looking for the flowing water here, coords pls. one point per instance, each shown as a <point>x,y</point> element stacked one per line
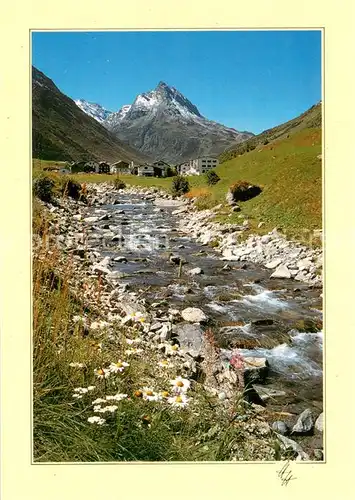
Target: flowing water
<point>246,308</point>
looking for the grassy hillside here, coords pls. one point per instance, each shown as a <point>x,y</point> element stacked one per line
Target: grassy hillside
<point>61,131</point>
<point>312,118</point>
<point>290,173</point>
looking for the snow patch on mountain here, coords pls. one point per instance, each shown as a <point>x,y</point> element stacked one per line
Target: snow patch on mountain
<point>124,110</point>
<point>147,100</point>
<point>94,110</point>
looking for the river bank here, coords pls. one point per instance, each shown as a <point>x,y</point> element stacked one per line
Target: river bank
<point>128,240</point>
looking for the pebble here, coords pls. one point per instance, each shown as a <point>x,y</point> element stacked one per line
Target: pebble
<point>193,315</point>
<point>195,271</point>
<point>280,427</point>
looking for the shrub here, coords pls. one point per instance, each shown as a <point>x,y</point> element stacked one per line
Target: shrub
<point>212,177</point>
<point>242,191</point>
<point>170,172</point>
<point>40,218</point>
<point>43,188</point>
<point>118,183</point>
<point>70,187</point>
<point>196,192</point>
<point>205,202</point>
<point>179,185</point>
<point>266,142</point>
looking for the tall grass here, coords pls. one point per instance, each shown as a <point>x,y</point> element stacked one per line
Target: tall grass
<point>139,430</point>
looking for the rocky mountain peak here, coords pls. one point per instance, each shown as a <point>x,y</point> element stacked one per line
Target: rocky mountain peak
<point>162,85</point>
<point>164,123</point>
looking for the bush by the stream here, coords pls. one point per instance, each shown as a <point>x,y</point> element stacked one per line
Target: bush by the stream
<point>212,178</point>
<point>179,185</point>
<point>118,183</point>
<point>43,188</point>
<point>170,172</point>
<point>205,201</point>
<point>70,187</point>
<point>243,191</point>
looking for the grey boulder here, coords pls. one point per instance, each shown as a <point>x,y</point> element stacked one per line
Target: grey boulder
<point>190,338</point>
<point>280,427</point>
<point>304,423</point>
<point>281,272</point>
<point>193,315</point>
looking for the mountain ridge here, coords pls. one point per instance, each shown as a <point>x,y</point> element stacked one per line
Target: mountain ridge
<point>164,124</point>
<point>62,131</point>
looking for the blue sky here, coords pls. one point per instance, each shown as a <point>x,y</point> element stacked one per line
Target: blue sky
<point>249,80</point>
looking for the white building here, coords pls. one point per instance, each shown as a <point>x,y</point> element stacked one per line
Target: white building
<point>201,165</point>
<point>198,166</point>
<point>146,170</point>
<point>183,168</point>
<point>120,167</point>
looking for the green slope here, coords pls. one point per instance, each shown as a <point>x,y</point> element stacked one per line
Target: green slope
<point>312,118</point>
<point>289,171</point>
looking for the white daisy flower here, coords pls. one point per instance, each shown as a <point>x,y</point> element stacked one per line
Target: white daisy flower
<point>165,364</point>
<point>102,373</point>
<point>96,420</point>
<point>179,401</point>
<point>81,390</point>
<point>172,350</point>
<point>129,352</point>
<point>116,397</point>
<point>79,319</point>
<point>77,365</point>
<point>77,396</point>
<point>110,409</point>
<point>118,367</point>
<point>138,340</point>
<point>98,401</point>
<point>95,325</point>
<point>99,325</point>
<point>149,394</point>
<point>180,384</point>
<point>97,408</point>
<point>91,387</point>
<point>137,317</point>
